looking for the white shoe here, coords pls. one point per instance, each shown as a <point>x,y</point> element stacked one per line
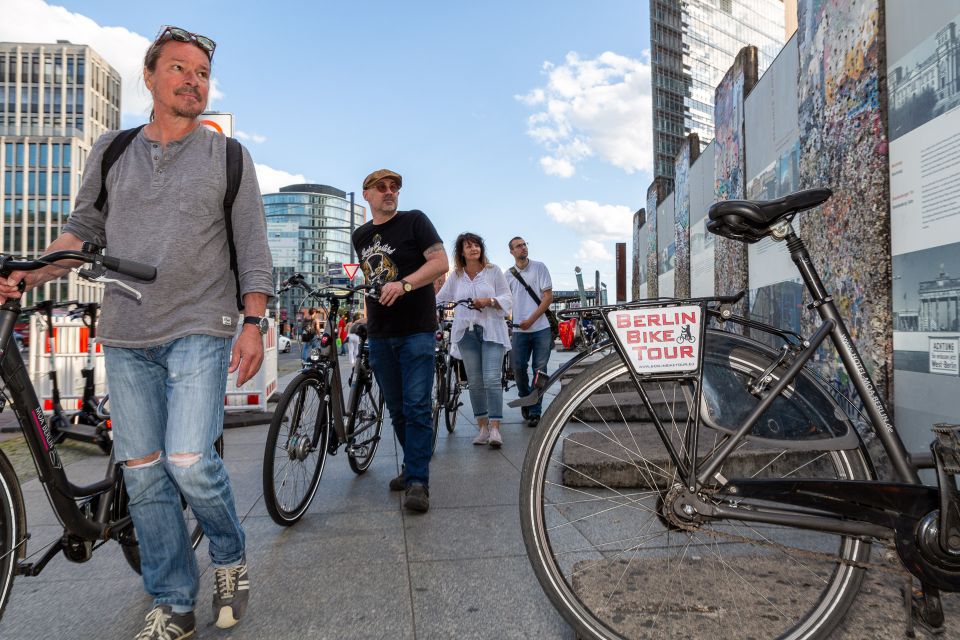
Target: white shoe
<point>495,438</point>
<point>483,437</point>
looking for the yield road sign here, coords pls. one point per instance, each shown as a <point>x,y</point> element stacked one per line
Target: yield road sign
<point>350,269</point>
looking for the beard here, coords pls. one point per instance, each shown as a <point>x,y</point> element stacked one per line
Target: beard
<point>189,112</point>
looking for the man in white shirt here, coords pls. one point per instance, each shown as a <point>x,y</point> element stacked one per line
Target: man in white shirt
<point>533,336</point>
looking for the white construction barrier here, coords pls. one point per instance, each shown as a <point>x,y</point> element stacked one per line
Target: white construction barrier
<point>70,347</point>
<point>257,391</point>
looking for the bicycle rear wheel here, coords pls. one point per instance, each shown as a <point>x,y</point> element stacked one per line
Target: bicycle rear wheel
<point>367,423</point>
<point>12,522</point>
<point>594,487</point>
<point>129,545</point>
<point>296,449</point>
<point>452,406</point>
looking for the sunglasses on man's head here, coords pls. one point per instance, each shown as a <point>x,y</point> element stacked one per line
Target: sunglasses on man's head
<point>182,35</point>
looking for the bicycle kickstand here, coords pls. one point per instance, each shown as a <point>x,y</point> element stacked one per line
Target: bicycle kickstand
<point>924,609</point>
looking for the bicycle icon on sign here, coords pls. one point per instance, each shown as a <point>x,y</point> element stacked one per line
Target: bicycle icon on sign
<point>685,335</point>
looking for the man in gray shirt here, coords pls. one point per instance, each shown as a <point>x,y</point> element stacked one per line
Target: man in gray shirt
<point>167,355</point>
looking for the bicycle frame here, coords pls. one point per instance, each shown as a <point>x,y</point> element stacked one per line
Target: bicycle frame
<point>62,494</point>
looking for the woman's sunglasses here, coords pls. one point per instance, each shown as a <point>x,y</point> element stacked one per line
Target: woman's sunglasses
<point>182,35</point>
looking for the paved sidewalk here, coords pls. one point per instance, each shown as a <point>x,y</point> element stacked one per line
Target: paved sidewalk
<point>356,566</point>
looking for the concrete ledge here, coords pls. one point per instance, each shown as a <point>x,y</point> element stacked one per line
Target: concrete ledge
<point>633,456</point>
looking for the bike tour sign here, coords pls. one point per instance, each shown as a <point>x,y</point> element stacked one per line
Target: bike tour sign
<point>659,339</point>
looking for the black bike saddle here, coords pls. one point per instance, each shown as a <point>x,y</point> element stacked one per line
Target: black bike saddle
<point>751,220</point>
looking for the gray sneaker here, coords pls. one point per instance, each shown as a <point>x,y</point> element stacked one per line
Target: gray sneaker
<point>417,498</point>
<point>232,593</point>
<point>163,624</point>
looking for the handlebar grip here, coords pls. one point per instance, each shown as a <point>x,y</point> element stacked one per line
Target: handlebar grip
<point>136,270</point>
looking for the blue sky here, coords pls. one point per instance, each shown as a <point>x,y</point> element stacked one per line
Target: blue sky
<point>505,118</point>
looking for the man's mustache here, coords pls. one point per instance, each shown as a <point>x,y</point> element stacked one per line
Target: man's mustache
<point>190,90</point>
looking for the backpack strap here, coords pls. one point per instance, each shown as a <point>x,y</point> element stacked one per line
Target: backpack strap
<point>234,177</point>
<point>114,150</point>
<point>516,274</point>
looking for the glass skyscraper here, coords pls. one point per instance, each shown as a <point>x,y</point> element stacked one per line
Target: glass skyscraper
<point>308,226</point>
<point>693,43</point>
<point>55,101</point>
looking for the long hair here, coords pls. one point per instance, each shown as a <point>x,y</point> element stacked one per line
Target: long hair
<point>459,260</point>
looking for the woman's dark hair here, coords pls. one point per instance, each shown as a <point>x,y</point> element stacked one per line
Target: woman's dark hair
<point>459,260</point>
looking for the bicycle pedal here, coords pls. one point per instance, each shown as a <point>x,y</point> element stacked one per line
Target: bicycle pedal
<point>948,436</point>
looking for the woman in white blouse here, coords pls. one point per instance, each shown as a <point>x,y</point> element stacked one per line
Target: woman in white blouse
<point>479,336</point>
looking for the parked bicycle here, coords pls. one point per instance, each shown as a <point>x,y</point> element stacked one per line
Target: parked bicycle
<point>91,515</point>
<point>312,419</point>
<point>449,379</point>
<point>83,424</point>
<point>717,488</point>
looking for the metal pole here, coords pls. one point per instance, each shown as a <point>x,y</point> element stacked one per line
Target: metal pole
<point>352,225</point>
<point>596,287</point>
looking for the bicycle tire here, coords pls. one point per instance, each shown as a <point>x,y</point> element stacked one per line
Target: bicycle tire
<point>616,572</point>
<point>367,423</point>
<point>13,521</point>
<point>439,398</point>
<point>452,407</point>
<point>130,548</point>
<point>299,432</point>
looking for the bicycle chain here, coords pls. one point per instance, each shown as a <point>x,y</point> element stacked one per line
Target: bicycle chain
<point>812,555</point>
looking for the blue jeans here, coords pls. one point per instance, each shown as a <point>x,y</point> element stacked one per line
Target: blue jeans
<point>169,399</point>
<point>305,350</point>
<point>483,361</point>
<point>404,370</point>
<point>539,344</point>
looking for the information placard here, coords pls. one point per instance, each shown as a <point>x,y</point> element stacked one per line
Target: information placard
<point>945,356</point>
<point>659,339</point>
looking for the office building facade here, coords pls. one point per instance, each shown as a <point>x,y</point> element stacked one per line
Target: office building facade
<point>692,44</point>
<point>309,228</point>
<point>55,101</point>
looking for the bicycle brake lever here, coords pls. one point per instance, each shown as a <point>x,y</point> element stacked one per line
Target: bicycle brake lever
<point>105,280</point>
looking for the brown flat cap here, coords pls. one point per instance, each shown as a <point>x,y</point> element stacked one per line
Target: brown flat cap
<point>380,174</point>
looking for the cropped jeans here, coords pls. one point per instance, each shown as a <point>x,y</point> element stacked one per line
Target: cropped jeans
<point>525,344</point>
<point>169,399</point>
<point>483,361</point>
<point>403,367</point>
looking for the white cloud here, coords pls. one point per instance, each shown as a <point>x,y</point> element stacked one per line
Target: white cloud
<point>37,21</point>
<point>271,179</point>
<point>593,107</point>
<point>250,137</point>
<point>598,226</point>
<point>593,251</point>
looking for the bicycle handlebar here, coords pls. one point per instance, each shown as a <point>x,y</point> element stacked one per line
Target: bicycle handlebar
<point>130,268</point>
<point>297,280</point>
<point>449,306</point>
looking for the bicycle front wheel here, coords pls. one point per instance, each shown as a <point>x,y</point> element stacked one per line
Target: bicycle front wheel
<point>594,488</point>
<point>367,422</point>
<point>439,397</point>
<point>296,449</point>
<point>451,407</point>
<point>12,522</point>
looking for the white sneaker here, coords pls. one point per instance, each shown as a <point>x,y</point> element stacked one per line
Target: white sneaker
<point>483,437</point>
<point>495,438</point>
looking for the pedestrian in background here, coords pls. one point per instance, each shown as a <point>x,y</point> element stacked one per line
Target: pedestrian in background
<point>402,251</point>
<point>479,336</point>
<point>532,290</point>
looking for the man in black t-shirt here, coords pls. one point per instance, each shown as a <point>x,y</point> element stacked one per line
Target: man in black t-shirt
<point>401,251</point>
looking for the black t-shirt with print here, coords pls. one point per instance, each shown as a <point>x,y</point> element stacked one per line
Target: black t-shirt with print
<point>392,251</point>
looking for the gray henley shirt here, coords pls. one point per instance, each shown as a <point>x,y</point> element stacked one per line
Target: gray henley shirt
<point>165,208</point>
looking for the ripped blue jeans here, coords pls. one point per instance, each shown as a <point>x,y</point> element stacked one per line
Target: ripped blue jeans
<point>169,399</point>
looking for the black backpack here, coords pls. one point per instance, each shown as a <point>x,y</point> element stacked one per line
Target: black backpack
<point>234,176</point>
